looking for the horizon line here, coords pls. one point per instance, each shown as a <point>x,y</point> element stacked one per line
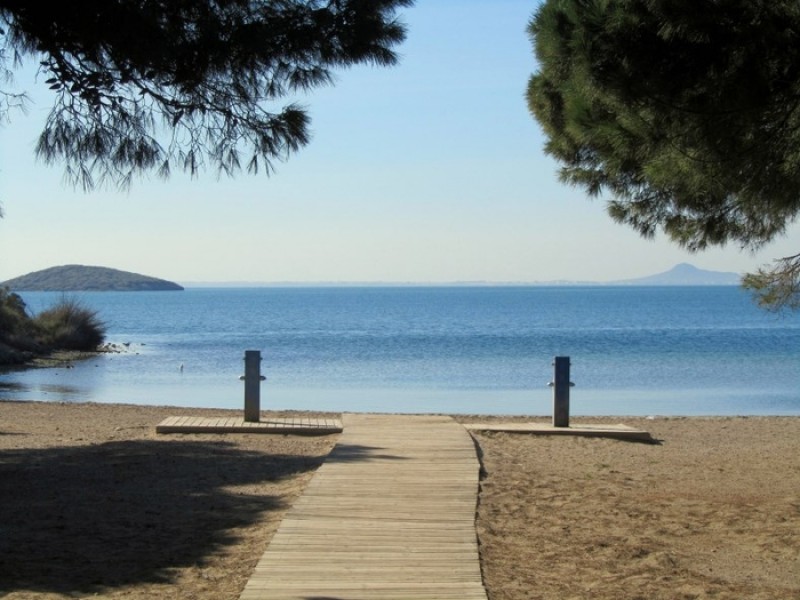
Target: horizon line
<point>477,283</point>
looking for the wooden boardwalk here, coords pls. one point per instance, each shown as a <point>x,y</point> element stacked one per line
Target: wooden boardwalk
<point>389,515</point>
<point>294,425</point>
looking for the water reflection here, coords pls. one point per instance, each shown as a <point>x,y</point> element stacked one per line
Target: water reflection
<point>106,380</point>
<point>11,386</point>
<point>75,382</point>
<point>47,391</point>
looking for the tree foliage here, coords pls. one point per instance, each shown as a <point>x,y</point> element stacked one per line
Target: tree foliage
<point>779,287</point>
<point>684,113</point>
<point>154,85</point>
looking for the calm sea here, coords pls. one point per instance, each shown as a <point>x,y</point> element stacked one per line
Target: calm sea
<point>489,350</point>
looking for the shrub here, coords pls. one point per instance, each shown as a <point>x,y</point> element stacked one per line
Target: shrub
<point>12,312</point>
<point>16,327</point>
<point>70,326</point>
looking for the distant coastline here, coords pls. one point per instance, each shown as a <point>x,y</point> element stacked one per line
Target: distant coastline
<point>200,285</point>
<point>680,275</point>
<point>73,278</point>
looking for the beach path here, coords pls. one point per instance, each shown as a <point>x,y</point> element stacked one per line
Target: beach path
<point>389,515</point>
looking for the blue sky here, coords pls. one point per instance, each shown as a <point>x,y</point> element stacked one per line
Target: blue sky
<point>431,171</point>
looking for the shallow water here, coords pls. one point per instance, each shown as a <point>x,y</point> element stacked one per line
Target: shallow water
<point>486,350</point>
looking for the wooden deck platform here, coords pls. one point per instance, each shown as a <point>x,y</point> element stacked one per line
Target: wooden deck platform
<point>622,432</point>
<point>295,426</point>
<point>389,515</point>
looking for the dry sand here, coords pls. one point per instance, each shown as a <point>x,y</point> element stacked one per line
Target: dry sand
<point>95,504</point>
<point>711,511</point>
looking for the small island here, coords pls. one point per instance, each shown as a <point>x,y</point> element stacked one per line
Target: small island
<point>81,278</point>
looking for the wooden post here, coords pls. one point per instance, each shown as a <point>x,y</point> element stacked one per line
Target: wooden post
<point>252,386</point>
<point>561,385</point>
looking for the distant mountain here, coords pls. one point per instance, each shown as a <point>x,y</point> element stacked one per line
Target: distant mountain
<point>80,278</point>
<point>686,274</point>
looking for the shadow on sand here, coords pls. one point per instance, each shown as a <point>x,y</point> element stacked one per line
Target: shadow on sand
<point>83,519</point>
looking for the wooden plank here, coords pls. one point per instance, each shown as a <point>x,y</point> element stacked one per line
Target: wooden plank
<point>390,514</point>
<point>190,424</point>
<point>619,431</point>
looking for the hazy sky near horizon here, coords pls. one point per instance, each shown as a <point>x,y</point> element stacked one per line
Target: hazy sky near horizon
<point>429,171</point>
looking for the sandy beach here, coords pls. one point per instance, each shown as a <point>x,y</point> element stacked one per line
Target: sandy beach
<point>96,504</point>
<point>711,511</point>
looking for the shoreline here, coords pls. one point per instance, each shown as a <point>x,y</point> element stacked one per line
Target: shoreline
<point>463,418</point>
<point>97,503</point>
<point>60,358</point>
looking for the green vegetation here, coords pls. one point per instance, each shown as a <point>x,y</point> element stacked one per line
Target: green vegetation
<point>684,115</point>
<point>779,287</point>
<point>66,326</point>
